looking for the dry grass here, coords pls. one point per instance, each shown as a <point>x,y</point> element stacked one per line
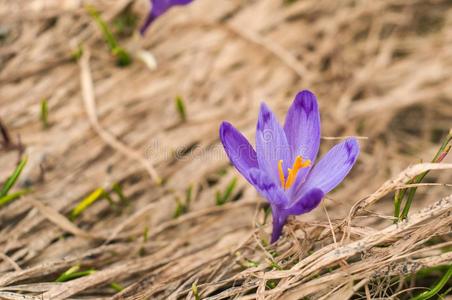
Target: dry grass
<point>381,70</point>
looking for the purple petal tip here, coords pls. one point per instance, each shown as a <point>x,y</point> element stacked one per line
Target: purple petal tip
<point>306,100</point>
<point>265,116</point>
<point>224,126</point>
<point>352,147</point>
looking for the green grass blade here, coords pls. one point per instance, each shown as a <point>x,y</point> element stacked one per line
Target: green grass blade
<point>181,209</point>
<point>146,234</point>
<point>447,292</point>
<point>183,206</point>
<point>398,197</point>
<point>229,189</point>
<point>188,194</point>
<point>180,107</point>
<point>218,198</point>
<point>13,178</point>
<point>271,284</point>
<point>410,196</point>
<point>107,34</point>
<point>72,273</point>
<point>77,53</point>
<point>194,289</point>
<point>439,156</point>
<point>117,188</point>
<point>86,202</point>
<point>267,212</point>
<point>435,290</point>
<point>116,286</point>
<point>13,196</point>
<point>251,263</point>
<point>123,58</point>
<point>223,198</point>
<point>125,23</point>
<point>71,270</point>
<point>44,113</point>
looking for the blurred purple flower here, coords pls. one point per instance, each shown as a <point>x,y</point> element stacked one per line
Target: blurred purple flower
<point>158,8</point>
<point>282,167</point>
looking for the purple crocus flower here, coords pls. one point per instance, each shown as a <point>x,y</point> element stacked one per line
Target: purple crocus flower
<point>158,8</point>
<point>282,167</point>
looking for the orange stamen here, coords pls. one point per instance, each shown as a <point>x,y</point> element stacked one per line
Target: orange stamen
<point>292,174</point>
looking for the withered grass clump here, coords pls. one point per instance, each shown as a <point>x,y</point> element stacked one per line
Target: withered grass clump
<point>381,70</point>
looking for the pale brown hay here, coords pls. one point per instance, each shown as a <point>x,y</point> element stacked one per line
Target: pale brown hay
<point>381,70</point>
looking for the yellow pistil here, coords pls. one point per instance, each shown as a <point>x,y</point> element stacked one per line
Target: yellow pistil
<point>281,173</point>
<point>292,174</point>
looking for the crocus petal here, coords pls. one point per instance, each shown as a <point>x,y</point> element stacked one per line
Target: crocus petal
<point>302,128</point>
<point>149,20</point>
<point>275,195</point>
<point>158,8</point>
<point>268,188</point>
<point>333,167</point>
<point>308,202</point>
<point>279,220</point>
<point>271,144</point>
<point>238,149</point>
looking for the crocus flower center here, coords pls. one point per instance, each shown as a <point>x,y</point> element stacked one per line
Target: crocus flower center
<point>292,172</point>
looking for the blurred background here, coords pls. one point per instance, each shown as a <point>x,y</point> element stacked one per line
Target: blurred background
<point>381,70</point>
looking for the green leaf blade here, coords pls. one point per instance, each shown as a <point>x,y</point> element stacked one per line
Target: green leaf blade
<point>14,177</point>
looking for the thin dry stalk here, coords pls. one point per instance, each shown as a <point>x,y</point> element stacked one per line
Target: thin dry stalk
<point>381,70</point>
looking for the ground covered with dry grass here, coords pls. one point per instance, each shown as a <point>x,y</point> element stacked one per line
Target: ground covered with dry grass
<point>381,69</point>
